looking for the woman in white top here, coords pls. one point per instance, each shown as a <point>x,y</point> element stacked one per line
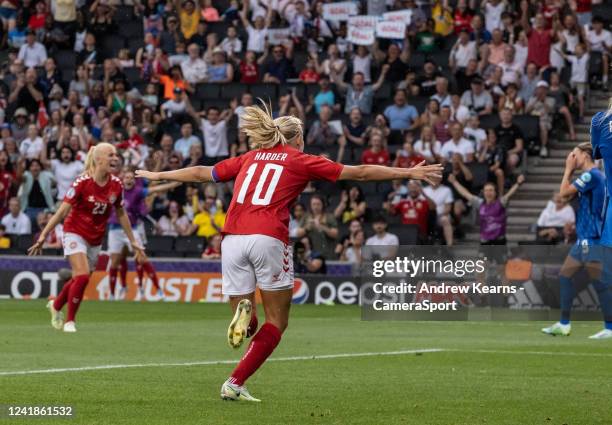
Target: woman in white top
<point>32,146</point>
<point>362,62</point>
<point>175,223</point>
<point>333,61</point>
<point>557,214</point>
<point>427,146</point>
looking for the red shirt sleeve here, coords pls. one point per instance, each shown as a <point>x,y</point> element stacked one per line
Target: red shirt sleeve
<point>73,194</point>
<point>227,169</point>
<point>320,168</point>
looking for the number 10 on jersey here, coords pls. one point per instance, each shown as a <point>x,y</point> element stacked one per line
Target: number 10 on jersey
<point>257,199</point>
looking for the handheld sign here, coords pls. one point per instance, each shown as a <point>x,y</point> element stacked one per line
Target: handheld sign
<point>399,16</point>
<point>363,22</point>
<point>361,36</point>
<point>278,36</point>
<point>390,29</point>
<point>339,11</point>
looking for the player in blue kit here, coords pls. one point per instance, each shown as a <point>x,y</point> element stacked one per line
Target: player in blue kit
<point>601,139</point>
<point>586,252</point>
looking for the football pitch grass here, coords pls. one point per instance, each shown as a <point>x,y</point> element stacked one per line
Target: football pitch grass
<point>483,373</point>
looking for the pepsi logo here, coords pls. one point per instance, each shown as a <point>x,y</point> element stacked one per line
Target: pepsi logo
<point>300,292</point>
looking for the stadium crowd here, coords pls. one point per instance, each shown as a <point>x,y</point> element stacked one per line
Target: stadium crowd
<point>476,86</point>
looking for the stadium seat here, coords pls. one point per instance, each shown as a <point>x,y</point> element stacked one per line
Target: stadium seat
<point>132,74</point>
<point>191,246</point>
<point>134,31</point>
<point>110,45</point>
<point>529,125</point>
<point>124,16</point>
<point>480,173</point>
<point>265,91</point>
<point>161,246</point>
<point>24,242</point>
<point>232,90</point>
<point>489,121</point>
<point>65,59</point>
<point>384,92</point>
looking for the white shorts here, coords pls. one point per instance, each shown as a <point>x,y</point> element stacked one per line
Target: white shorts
<point>248,261</point>
<point>74,243</point>
<point>117,239</point>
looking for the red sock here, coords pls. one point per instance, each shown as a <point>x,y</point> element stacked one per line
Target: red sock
<point>123,269</point>
<point>148,267</point>
<point>112,280</point>
<point>262,345</point>
<point>76,295</point>
<point>139,273</point>
<point>62,297</point>
<point>252,325</point>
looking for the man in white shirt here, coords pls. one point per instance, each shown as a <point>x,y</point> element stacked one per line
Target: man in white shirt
<point>477,99</point>
<point>457,144</point>
<point>442,196</point>
<point>463,51</point>
<point>231,44</point>
<point>214,128</point>
<point>385,244</point>
<point>194,68</point>
<point>32,53</point>
<point>512,70</point>
<point>600,40</point>
<point>31,146</point>
<point>16,222</point>
<point>188,139</point>
<point>493,10</point>
<point>65,170</point>
<point>258,31</point>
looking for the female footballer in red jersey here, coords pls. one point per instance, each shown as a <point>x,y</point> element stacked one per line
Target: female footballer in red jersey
<point>255,248</point>
<point>86,208</point>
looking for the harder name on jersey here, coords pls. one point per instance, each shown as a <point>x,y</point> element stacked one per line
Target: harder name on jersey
<point>267,156</point>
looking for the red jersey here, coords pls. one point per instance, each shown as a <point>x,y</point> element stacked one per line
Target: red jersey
<point>408,161</point>
<point>249,73</point>
<point>414,211</point>
<point>91,207</point>
<point>369,157</point>
<point>267,183</point>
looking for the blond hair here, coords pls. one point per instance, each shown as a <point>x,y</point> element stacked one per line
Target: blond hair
<point>92,157</point>
<point>265,132</point>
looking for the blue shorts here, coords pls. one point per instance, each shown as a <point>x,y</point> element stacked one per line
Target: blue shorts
<point>586,253</point>
<point>8,13</point>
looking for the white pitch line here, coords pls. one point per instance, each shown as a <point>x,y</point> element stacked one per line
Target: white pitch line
<point>535,353</point>
<point>219,362</point>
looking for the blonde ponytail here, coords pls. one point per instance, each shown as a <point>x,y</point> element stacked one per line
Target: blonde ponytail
<point>92,156</point>
<point>264,132</point>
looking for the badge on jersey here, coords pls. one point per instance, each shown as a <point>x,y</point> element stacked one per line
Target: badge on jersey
<point>584,179</point>
<point>71,192</point>
<point>112,198</point>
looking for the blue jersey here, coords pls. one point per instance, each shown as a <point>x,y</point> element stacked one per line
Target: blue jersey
<point>601,139</point>
<point>592,192</point>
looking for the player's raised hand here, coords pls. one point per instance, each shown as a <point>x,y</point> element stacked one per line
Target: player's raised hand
<point>432,174</point>
<point>149,175</point>
<point>570,161</point>
<point>36,249</point>
<point>139,254</point>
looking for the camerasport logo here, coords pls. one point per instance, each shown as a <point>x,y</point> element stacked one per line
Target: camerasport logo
<point>300,292</point>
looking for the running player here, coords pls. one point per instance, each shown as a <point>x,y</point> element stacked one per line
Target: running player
<point>586,252</point>
<point>86,209</point>
<point>601,138</point>
<point>255,247</point>
<point>134,196</point>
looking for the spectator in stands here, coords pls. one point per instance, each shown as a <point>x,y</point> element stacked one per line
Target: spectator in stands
<point>352,205</point>
<point>462,16</point>
<point>554,219</point>
<point>511,100</point>
<point>213,249</point>
<point>170,36</point>
<point>493,52</point>
<point>491,210</point>
<point>19,127</point>
<point>101,21</point>
<point>563,99</point>
<point>187,140</point>
<point>174,80</point>
<point>442,197</point>
<point>32,53</point>
<point>210,219</point>
<point>396,59</point>
<point>464,175</point>
<point>361,60</point>
<point>32,146</point>
<point>321,227</point>
<point>249,69</point>
<point>258,32</point>
<point>600,40</point>
<point>298,211</point>
<point>401,115</point>
<point>474,133</point>
<point>457,145</point>
<point>512,69</point>
<point>579,78</point>
<point>353,252</point>
<point>345,240</point>
<point>510,138</point>
<point>431,113</point>
<point>35,193</point>
<point>442,95</point>
<point>413,208</point>
<point>320,132</point>
<point>355,129</point>
<point>189,15</point>
<point>459,112</point>
<point>7,181</point>
<point>28,93</point>
<point>174,110</point>
<point>477,99</point>
<point>464,77</point>
<point>543,107</point>
<point>194,69</point>
<point>174,223</point>
<point>214,128</point>
<point>376,154</point>
<point>427,146</point>
<point>494,157</point>
<point>231,44</point>
<point>50,77</point>
<point>306,259</point>
<point>325,96</point>
<point>309,75</point>
<point>54,238</point>
<point>539,38</point>
<point>16,222</point>
<point>462,52</point>
<point>280,66</point>
<point>358,94</point>
<point>220,71</point>
<point>383,244</point>
<point>65,170</point>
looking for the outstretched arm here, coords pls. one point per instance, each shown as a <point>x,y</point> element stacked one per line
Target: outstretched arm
<point>429,173</point>
<point>186,175</point>
<point>460,188</point>
<point>57,218</point>
<point>519,181</point>
<point>162,187</point>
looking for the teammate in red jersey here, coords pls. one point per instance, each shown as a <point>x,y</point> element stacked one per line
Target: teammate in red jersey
<point>86,209</point>
<point>255,248</point>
